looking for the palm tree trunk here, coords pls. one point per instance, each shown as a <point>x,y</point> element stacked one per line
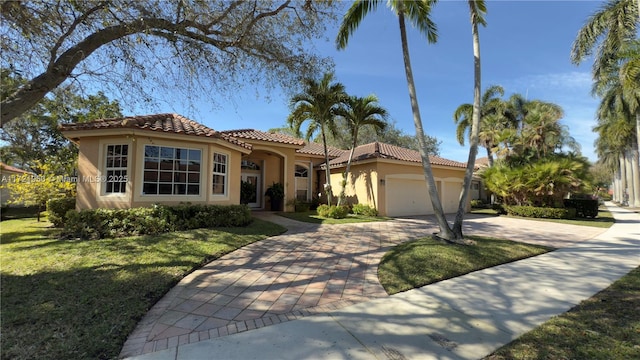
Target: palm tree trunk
<point>475,124</point>
<point>327,173</point>
<point>623,179</point>
<point>616,186</point>
<point>635,169</point>
<point>632,177</point>
<point>346,171</point>
<point>445,230</point>
<point>490,156</point>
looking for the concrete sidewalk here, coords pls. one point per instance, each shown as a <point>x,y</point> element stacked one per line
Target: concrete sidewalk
<point>463,318</point>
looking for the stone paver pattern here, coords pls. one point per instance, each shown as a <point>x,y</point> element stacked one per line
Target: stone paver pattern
<point>310,269</point>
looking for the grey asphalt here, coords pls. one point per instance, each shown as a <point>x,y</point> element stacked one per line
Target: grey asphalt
<point>462,318</point>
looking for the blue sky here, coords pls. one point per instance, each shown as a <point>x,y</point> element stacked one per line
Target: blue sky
<point>525,47</point>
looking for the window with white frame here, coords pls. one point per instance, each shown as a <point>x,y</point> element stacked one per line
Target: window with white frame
<point>219,186</point>
<point>115,169</point>
<point>171,171</point>
<point>302,182</point>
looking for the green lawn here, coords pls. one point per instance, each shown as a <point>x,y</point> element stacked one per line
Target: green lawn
<point>606,326</point>
<point>313,217</point>
<point>425,261</point>
<point>604,219</point>
<point>66,299</point>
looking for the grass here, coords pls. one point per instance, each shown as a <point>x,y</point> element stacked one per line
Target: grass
<point>313,217</point>
<point>425,261</point>
<point>66,299</point>
<point>606,326</point>
<point>603,220</point>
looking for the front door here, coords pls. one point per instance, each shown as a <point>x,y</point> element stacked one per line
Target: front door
<point>251,193</point>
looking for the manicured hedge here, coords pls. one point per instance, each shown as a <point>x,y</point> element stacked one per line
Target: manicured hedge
<point>334,212</point>
<point>584,207</point>
<point>540,212</point>
<point>108,223</point>
<point>58,208</point>
<point>366,210</point>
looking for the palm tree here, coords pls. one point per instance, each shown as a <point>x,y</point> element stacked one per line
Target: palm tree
<point>491,114</point>
<point>606,31</point>
<point>419,14</point>
<point>360,112</point>
<point>477,9</point>
<point>318,104</point>
<point>615,115</point>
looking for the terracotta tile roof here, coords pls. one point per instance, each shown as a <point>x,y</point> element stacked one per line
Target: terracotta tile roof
<point>387,151</point>
<point>251,134</point>
<point>317,149</point>
<point>4,166</point>
<point>166,123</point>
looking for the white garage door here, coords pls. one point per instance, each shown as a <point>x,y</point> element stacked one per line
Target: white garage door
<point>407,197</point>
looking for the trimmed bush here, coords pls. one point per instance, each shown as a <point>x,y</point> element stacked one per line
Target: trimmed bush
<point>476,204</point>
<point>366,210</point>
<point>108,223</point>
<point>58,208</point>
<point>323,210</point>
<point>499,208</point>
<point>584,207</point>
<point>334,212</point>
<point>540,212</point>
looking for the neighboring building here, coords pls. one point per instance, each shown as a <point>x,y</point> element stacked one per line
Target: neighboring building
<point>8,174</point>
<point>478,190</point>
<point>167,158</point>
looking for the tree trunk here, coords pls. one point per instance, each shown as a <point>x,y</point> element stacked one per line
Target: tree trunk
<point>346,171</point>
<point>623,180</point>
<point>475,124</point>
<point>489,156</point>
<point>616,186</point>
<point>635,172</point>
<point>327,173</point>
<point>445,230</point>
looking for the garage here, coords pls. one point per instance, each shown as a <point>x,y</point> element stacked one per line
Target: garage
<point>407,196</point>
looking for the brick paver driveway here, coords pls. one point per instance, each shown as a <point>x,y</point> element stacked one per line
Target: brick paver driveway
<point>308,270</point>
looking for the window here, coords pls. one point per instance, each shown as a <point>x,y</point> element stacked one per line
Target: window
<point>302,182</point>
<point>116,169</point>
<point>171,171</point>
<point>219,174</point>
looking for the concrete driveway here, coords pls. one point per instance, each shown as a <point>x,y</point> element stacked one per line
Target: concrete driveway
<point>311,269</point>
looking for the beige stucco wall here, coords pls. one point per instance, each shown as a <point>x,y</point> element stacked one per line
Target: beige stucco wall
<point>367,182</point>
<point>90,167</point>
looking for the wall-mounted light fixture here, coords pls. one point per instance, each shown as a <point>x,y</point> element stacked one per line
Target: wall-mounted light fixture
<point>382,182</point>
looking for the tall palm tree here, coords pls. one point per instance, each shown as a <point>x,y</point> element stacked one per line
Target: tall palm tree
<point>358,113</point>
<point>606,31</point>
<point>491,112</point>
<point>418,13</point>
<point>615,114</point>
<point>318,104</point>
<point>477,10</point>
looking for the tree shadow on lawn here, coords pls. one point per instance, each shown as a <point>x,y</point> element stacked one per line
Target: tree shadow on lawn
<point>80,313</point>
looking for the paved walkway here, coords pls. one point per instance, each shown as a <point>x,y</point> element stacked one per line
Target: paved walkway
<point>330,271</point>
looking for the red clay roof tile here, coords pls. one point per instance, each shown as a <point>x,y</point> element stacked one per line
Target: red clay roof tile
<point>167,123</point>
<point>387,151</point>
<point>251,134</point>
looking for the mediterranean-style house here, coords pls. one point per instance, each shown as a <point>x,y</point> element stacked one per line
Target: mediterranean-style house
<point>167,158</point>
<point>8,174</point>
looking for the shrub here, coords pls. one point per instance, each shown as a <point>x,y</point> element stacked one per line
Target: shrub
<point>323,210</point>
<point>338,212</point>
<point>334,212</point>
<point>499,208</point>
<point>366,210</point>
<point>540,212</point>
<point>58,208</point>
<point>584,207</point>
<point>102,223</point>
<point>476,203</point>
